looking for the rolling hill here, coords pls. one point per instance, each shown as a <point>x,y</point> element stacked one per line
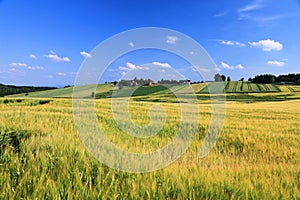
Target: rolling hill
<point>107,90</point>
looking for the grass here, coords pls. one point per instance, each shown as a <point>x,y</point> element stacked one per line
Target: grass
<point>64,92</point>
<point>256,157</point>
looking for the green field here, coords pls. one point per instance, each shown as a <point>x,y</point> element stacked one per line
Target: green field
<point>106,90</point>
<point>256,157</point>
<point>243,87</point>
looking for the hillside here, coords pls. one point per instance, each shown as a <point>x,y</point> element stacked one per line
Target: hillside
<point>11,89</point>
<point>106,90</point>
<point>64,92</point>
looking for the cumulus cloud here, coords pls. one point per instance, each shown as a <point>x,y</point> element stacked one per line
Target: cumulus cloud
<point>131,44</point>
<point>18,64</point>
<point>172,39</point>
<point>35,68</point>
<point>165,65</point>
<point>276,63</point>
<point>54,57</point>
<point>32,56</point>
<point>132,66</point>
<point>85,54</point>
<point>129,66</point>
<point>227,66</point>
<point>239,66</point>
<point>267,45</point>
<point>232,43</point>
<point>15,64</point>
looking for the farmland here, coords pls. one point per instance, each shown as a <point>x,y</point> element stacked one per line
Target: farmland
<point>106,90</point>
<point>245,87</point>
<point>256,157</point>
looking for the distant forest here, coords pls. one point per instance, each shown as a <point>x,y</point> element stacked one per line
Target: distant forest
<point>266,79</point>
<point>269,78</point>
<point>11,89</point>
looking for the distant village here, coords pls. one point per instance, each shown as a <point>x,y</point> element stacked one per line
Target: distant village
<point>293,79</point>
<point>150,82</point>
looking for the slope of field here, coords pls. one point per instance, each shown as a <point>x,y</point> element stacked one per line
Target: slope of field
<point>65,92</point>
<point>215,87</point>
<point>256,157</point>
<point>242,87</point>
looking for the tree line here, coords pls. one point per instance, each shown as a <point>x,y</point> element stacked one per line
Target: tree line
<point>270,78</point>
<point>11,89</point>
<point>264,78</point>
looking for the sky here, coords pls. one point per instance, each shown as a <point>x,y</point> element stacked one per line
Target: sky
<point>44,43</point>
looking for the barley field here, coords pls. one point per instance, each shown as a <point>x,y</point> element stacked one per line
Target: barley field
<point>256,156</point>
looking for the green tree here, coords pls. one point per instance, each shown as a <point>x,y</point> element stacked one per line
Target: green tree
<point>223,77</point>
<point>218,77</point>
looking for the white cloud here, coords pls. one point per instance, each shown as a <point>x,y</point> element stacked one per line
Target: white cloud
<point>124,68</point>
<point>131,44</point>
<point>129,66</point>
<point>227,42</point>
<point>52,52</point>
<point>35,68</point>
<point>232,43</point>
<point>13,70</point>
<point>18,64</point>
<point>276,63</point>
<point>33,56</point>
<point>226,66</point>
<point>257,4</point>
<point>132,66</point>
<point>61,74</point>
<point>165,65</point>
<point>172,39</point>
<point>248,13</point>
<point>26,66</point>
<point>221,14</point>
<point>57,58</point>
<point>85,54</point>
<point>217,69</point>
<point>239,66</point>
<point>123,73</point>
<point>267,45</point>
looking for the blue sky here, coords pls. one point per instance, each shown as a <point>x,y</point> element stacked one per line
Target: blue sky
<point>45,42</point>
